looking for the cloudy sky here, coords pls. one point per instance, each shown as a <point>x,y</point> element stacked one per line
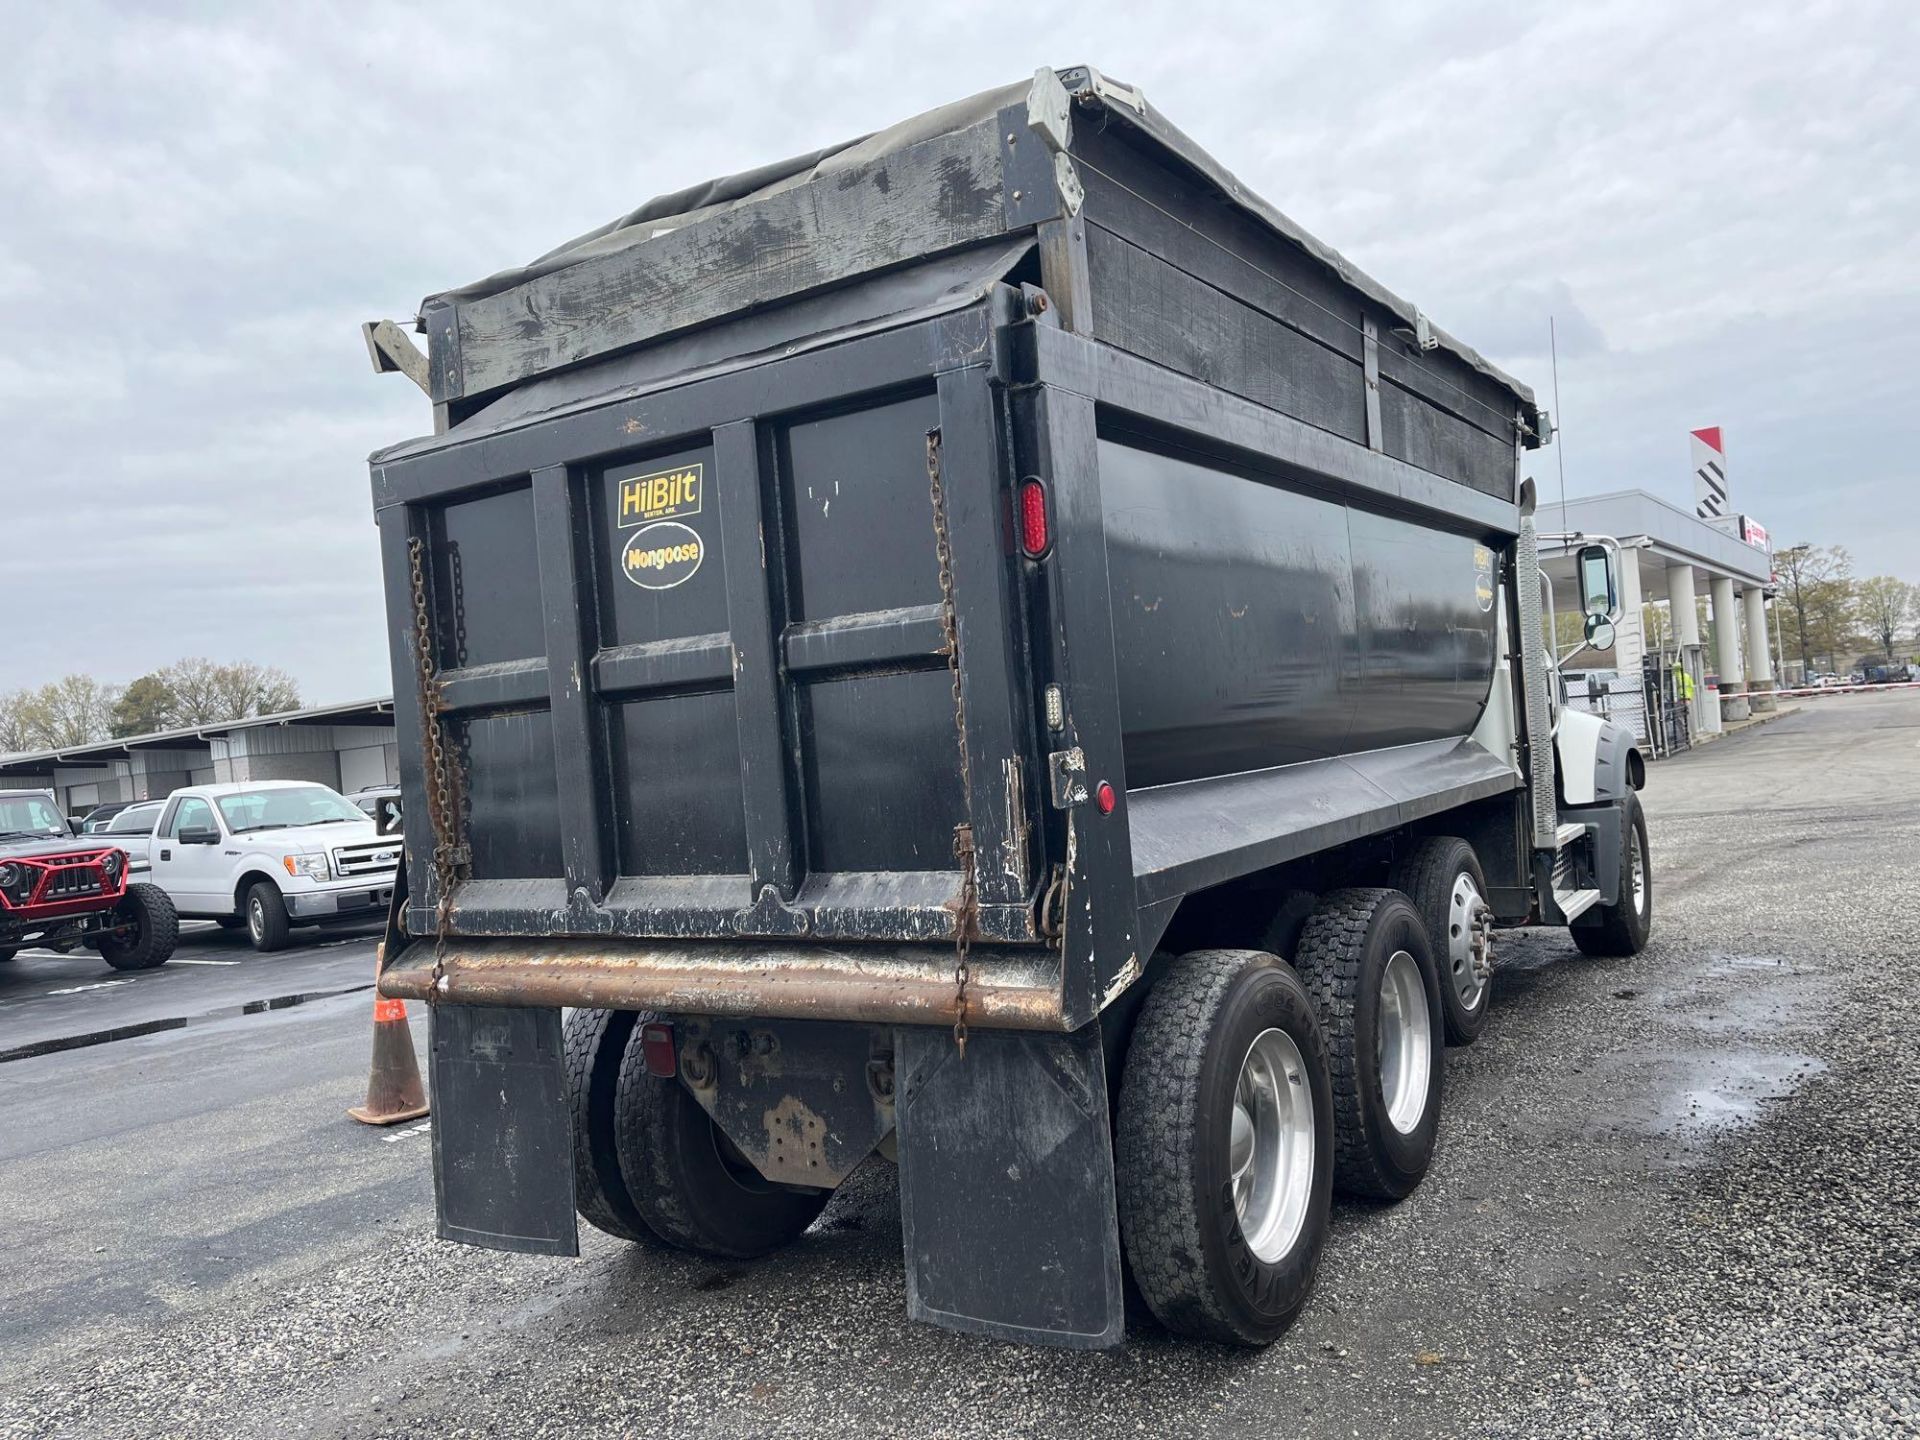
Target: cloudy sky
<point>1718,203</point>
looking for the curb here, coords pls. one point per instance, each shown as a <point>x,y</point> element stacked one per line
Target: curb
<point>1740,727</point>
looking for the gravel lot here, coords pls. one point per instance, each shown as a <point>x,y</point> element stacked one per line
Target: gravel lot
<point>1674,1196</point>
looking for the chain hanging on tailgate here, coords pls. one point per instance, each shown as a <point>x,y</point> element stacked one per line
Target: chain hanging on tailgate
<point>966,915</point>
<point>449,857</point>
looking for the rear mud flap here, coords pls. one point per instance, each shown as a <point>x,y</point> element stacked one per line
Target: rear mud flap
<point>502,1130</point>
<point>1006,1186</point>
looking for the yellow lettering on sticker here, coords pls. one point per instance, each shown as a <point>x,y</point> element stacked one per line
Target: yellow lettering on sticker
<point>660,496</point>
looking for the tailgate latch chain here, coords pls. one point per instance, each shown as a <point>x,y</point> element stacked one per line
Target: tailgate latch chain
<point>967,912</point>
<point>449,856</point>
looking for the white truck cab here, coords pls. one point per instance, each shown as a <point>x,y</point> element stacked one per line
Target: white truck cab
<point>271,854</point>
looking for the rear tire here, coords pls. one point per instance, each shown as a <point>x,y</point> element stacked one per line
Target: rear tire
<point>1624,926</point>
<point>1366,961</point>
<point>266,912</point>
<point>688,1182</point>
<point>1222,1241</point>
<point>146,931</point>
<point>596,1044</point>
<point>1443,878</point>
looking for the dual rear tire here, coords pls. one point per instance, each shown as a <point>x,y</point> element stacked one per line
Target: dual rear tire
<point>1253,1090</point>
<point>650,1165</point>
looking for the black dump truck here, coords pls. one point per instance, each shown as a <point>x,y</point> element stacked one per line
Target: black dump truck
<point>985,647</point>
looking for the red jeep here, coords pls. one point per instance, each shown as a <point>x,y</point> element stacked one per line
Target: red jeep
<point>60,890</point>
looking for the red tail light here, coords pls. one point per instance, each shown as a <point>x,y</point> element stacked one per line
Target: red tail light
<point>1034,537</point>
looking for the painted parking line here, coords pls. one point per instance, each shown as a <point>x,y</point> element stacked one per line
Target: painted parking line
<point>82,989</point>
<point>181,960</point>
<point>407,1134</point>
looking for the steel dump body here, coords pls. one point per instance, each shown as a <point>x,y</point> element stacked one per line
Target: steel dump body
<point>687,630</point>
<point>673,561</point>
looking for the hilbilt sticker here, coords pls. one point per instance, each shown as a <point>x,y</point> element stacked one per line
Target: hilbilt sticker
<point>1483,576</point>
<point>663,552</point>
<point>664,495</point>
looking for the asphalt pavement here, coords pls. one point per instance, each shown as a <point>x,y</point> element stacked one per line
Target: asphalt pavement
<point>1674,1195</point>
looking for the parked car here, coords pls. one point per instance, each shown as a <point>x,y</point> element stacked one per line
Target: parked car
<point>99,817</point>
<point>64,891</point>
<point>271,855</point>
<point>136,822</point>
<point>136,819</point>
<point>382,803</point>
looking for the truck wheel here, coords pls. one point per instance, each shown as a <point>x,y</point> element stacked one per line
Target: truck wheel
<point>1366,961</point>
<point>266,911</point>
<point>688,1182</point>
<point>1623,927</point>
<point>596,1043</point>
<point>1224,1148</point>
<point>145,930</point>
<point>1442,877</point>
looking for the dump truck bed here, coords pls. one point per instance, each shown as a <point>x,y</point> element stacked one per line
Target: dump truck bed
<point>674,563</point>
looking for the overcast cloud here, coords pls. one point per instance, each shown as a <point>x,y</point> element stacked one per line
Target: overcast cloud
<point>1717,202</point>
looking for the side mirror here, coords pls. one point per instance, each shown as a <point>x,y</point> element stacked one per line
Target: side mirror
<point>1598,593</point>
<point>198,837</point>
<point>1599,632</point>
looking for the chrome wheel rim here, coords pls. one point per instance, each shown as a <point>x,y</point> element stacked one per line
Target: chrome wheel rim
<point>1270,1145</point>
<point>1637,864</point>
<point>1464,919</point>
<point>256,919</point>
<point>1404,1035</point>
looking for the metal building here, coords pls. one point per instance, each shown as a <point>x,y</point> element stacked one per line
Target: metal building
<point>348,746</point>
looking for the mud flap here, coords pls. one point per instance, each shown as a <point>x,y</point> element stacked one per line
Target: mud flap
<point>502,1130</point>
<point>1006,1186</point>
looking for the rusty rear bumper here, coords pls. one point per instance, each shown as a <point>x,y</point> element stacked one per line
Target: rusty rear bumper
<point>888,985</point>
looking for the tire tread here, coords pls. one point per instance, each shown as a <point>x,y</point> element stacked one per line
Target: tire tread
<point>1425,875</point>
<point>594,1044</point>
<point>1331,957</point>
<point>159,931</point>
<point>1157,1144</point>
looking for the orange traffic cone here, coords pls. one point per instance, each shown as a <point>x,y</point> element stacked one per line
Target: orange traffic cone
<point>394,1091</point>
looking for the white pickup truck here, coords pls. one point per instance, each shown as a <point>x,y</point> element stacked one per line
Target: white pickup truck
<point>270,855</point>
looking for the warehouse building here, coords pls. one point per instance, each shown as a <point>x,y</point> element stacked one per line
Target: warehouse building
<point>349,747</point>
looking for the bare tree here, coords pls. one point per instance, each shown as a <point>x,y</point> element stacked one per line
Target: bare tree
<point>196,692</point>
<point>250,689</point>
<point>16,725</point>
<point>73,710</point>
<point>1816,584</point>
<point>207,693</point>
<point>1886,607</point>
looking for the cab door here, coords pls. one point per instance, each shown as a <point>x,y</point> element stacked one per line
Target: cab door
<point>191,870</point>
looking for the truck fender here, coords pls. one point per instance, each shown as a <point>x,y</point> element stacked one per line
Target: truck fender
<point>1599,761</point>
<point>250,873</point>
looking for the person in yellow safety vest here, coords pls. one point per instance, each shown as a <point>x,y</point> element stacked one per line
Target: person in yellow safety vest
<point>1682,682</point>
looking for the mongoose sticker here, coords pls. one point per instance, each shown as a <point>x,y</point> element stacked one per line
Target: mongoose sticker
<point>662,555</point>
<point>664,495</point>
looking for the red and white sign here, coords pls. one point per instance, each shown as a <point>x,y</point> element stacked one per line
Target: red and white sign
<point>1754,533</point>
<point>1709,474</point>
